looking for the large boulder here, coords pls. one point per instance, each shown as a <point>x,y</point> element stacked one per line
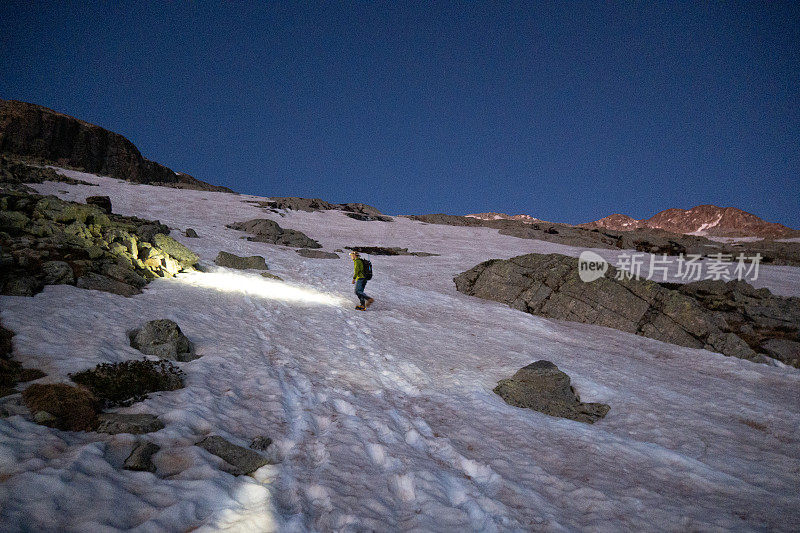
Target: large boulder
<point>264,230</point>
<point>164,339</point>
<point>541,386</point>
<point>228,260</point>
<point>732,319</point>
<point>243,460</point>
<point>141,458</point>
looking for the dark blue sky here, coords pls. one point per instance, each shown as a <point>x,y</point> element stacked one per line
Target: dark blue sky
<point>565,111</point>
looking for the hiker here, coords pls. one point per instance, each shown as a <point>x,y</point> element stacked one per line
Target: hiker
<point>360,278</point>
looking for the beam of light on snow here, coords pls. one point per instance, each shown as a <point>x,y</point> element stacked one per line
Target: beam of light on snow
<point>259,287</point>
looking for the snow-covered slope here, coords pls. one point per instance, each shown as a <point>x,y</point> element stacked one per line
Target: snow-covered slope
<point>386,420</point>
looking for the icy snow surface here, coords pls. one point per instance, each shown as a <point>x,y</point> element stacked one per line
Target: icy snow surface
<point>386,419</point>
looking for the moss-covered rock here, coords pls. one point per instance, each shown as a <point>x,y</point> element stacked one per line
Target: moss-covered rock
<point>129,381</point>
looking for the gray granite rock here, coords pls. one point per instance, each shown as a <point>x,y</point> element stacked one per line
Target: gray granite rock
<point>164,339</point>
<point>135,424</point>
<point>243,460</point>
<point>541,386</point>
<point>141,458</point>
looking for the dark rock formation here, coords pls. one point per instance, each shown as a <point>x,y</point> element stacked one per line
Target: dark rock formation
<point>36,132</point>
<point>12,373</point>
<point>141,458</point>
<point>192,234</point>
<point>317,254</point>
<point>269,275</point>
<point>62,406</point>
<point>103,202</point>
<point>136,424</point>
<point>242,460</point>
<point>15,173</point>
<point>541,386</point>
<point>264,230</point>
<point>228,260</point>
<point>357,211</point>
<point>164,339</point>
<point>732,319</point>
<point>387,250</point>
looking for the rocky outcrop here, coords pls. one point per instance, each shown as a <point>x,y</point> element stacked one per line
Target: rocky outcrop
<point>549,285</point>
<point>356,211</point>
<point>387,250</point>
<point>228,260</point>
<point>541,386</point>
<point>242,460</point>
<point>164,339</point>
<point>36,132</point>
<point>48,241</point>
<point>265,230</point>
<point>316,254</point>
<point>103,202</point>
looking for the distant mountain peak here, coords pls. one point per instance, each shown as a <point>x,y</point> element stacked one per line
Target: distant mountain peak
<point>705,220</point>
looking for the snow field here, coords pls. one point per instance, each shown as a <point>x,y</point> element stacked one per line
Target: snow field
<point>385,420</point>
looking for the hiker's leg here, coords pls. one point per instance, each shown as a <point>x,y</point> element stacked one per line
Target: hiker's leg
<point>360,283</point>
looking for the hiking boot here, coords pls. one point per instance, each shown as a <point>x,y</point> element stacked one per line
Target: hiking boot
<point>360,308</point>
<point>369,302</point>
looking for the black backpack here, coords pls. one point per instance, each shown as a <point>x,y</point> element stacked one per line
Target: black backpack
<point>367,268</point>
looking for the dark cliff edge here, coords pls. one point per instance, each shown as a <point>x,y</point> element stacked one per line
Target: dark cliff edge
<point>36,132</point>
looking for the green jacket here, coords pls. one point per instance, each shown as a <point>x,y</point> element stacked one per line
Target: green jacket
<point>358,268</point>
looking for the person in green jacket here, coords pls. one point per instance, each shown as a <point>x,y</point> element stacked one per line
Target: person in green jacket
<point>360,282</point>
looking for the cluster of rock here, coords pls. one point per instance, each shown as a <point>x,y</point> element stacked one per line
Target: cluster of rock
<point>356,211</point>
<point>317,254</point>
<point>15,174</point>
<point>78,408</point>
<point>387,250</point>
<point>265,230</point>
<point>733,319</point>
<point>541,386</point>
<point>36,132</point>
<point>649,240</point>
<point>48,241</point>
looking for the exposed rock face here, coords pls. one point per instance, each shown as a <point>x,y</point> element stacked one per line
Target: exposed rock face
<point>541,386</point>
<point>34,131</point>
<point>387,250</point>
<point>136,424</point>
<point>353,210</point>
<point>228,260</point>
<point>317,254</point>
<point>103,202</point>
<point>164,339</point>
<point>548,285</point>
<point>47,241</point>
<point>269,231</point>
<point>703,220</point>
<point>242,460</point>
<point>192,234</point>
<point>62,406</point>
